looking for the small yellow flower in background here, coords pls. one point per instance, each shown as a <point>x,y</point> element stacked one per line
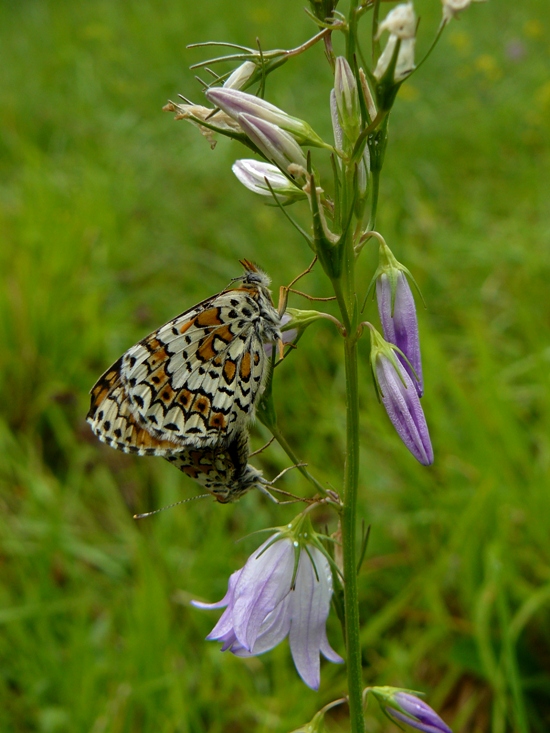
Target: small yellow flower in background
<point>533,28</point>
<point>489,67</point>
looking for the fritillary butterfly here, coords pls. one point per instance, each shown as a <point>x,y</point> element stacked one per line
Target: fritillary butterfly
<point>194,382</point>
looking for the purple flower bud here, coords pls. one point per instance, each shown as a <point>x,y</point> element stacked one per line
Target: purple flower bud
<point>400,399</point>
<point>276,144</point>
<point>415,712</point>
<point>236,103</point>
<point>399,322</point>
<point>270,598</point>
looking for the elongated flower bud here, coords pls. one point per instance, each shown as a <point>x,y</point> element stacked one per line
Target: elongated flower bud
<point>276,144</point>
<point>397,311</point>
<point>347,99</point>
<point>399,397</point>
<point>236,103</point>
<point>240,76</point>
<point>405,707</point>
<point>266,179</point>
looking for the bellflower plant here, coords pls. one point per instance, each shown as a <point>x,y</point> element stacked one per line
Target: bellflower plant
<point>286,587</point>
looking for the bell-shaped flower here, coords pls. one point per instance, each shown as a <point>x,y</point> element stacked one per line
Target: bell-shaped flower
<point>402,706</point>
<point>276,144</point>
<point>399,396</point>
<point>284,589</point>
<point>397,311</point>
<point>266,179</point>
<point>236,103</point>
<point>401,24</point>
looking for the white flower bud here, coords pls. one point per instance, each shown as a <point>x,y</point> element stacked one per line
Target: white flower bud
<point>240,76</point>
<point>256,175</point>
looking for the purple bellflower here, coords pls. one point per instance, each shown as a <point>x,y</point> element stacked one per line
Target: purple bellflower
<point>403,706</point>
<point>400,399</point>
<point>398,313</point>
<point>284,589</point>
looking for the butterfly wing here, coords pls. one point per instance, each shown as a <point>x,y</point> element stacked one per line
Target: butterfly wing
<point>115,424</point>
<point>224,472</point>
<point>196,379</point>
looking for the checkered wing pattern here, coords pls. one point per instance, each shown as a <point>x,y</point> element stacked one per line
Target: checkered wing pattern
<point>224,472</point>
<point>195,381</point>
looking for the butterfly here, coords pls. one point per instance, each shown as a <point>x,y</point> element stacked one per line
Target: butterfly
<point>194,382</point>
<point>224,472</point>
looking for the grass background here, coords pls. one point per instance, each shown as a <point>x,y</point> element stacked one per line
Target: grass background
<point>113,218</point>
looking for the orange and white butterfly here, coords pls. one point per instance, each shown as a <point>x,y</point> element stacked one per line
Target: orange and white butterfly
<point>194,382</point>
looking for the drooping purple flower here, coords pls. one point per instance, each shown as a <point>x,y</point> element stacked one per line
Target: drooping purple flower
<point>399,322</point>
<point>415,712</point>
<point>269,599</point>
<point>399,397</point>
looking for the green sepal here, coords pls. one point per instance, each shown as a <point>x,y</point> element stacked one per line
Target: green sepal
<point>391,267</point>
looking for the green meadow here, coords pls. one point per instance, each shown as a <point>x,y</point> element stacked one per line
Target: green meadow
<point>113,219</point>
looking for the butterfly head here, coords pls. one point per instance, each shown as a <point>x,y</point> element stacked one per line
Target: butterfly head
<point>253,275</point>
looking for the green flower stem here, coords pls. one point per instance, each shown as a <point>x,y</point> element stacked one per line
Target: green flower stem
<point>349,541</point>
<point>375,183</point>
<point>344,289</point>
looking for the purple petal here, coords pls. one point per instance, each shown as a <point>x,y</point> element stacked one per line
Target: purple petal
<point>264,583</point>
<point>402,404</point>
<point>418,714</point>
<point>276,144</point>
<point>274,628</point>
<point>310,605</point>
<point>401,327</point>
<point>227,600</point>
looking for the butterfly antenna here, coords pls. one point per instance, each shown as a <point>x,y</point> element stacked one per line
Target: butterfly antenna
<point>170,506</point>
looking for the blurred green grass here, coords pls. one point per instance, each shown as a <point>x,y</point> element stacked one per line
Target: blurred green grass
<point>113,218</point>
